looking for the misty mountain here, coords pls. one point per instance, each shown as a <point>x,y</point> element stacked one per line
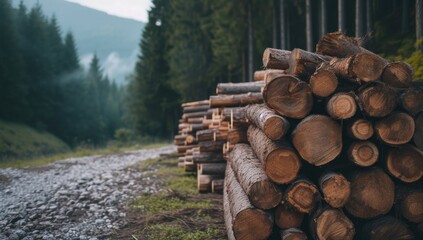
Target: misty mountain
<point>114,39</point>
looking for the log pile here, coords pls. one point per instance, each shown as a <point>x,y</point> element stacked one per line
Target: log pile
<point>331,148</point>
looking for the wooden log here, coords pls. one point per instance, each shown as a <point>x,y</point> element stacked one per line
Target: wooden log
<point>330,223</point>
<point>276,58</point>
<point>287,217</point>
<point>261,192</point>
<point>337,44</point>
<point>248,222</point>
<point>342,106</point>
<point>211,135</point>
<point>217,185</point>
<point>418,132</point>
<point>360,129</point>
<point>377,99</point>
<point>235,100</point>
<point>386,228</point>
<point>201,108</point>
<point>195,120</point>
<point>398,128</point>
<point>302,195</point>
<point>363,153</point>
<point>190,167</point>
<point>210,146</point>
<point>195,104</point>
<point>293,234</point>
<point>398,74</point>
<point>184,148</point>
<point>237,135</point>
<point>212,168</point>
<point>239,88</point>
<point>279,161</point>
<point>361,66</point>
<point>335,188</point>
<point>204,182</point>
<point>196,127</point>
<point>288,96</point>
<point>405,163</point>
<point>261,75</point>
<point>318,139</point>
<point>324,81</point>
<point>185,116</point>
<point>228,216</point>
<point>303,63</point>
<point>372,194</point>
<point>411,98</point>
<point>272,125</point>
<point>235,113</point>
<point>207,157</point>
<point>412,206</point>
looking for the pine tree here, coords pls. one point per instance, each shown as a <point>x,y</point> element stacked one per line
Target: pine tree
<point>71,60</point>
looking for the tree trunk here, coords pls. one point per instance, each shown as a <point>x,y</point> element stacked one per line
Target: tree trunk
<point>342,106</point>
<point>302,195</point>
<point>207,157</point>
<point>341,16</point>
<point>329,223</point>
<point>398,75</point>
<point>361,66</point>
<point>287,217</point>
<point>398,128</point>
<point>237,135</point>
<point>336,189</point>
<point>360,129</point>
<point>261,75</point>
<point>195,104</point>
<point>293,234</point>
<point>386,228</point>
<point>323,82</point>
<point>204,182</point>
<point>369,20</point>
<point>419,20</point>
<point>288,96</point>
<point>201,108</point>
<point>303,64</point>
<point>318,139</point>
<point>418,133</point>
<point>276,58</point>
<point>211,169</point>
<point>359,18</point>
<point>412,206</point>
<point>274,126</point>
<point>217,185</point>
<point>275,24</point>
<point>248,222</point>
<point>210,146</point>
<point>377,99</point>
<point>279,161</point>
<point>372,194</point>
<point>363,153</point>
<point>228,216</point>
<point>250,40</point>
<point>239,88</point>
<point>247,168</point>
<point>405,163</point>
<point>235,100</point>
<point>282,24</point>
<point>211,135</point>
<point>323,18</point>
<point>411,98</point>
<point>405,15</point>
<point>309,27</point>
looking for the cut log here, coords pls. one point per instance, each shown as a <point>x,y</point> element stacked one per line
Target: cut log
<point>386,228</point>
<point>363,153</point>
<point>411,99</point>
<point>196,103</point>
<point>184,148</point>
<point>239,88</point>
<point>190,167</point>
<point>398,74</point>
<point>185,116</point>
<point>323,82</point>
<point>211,135</point>
<point>360,129</point>
<point>247,168</point>
<point>362,66</point>
<point>248,222</point>
<point>204,182</point>
<point>318,139</point>
<point>273,125</point>
<point>336,189</point>
<point>236,114</point>
<point>237,135</point>
<point>195,120</point>
<point>212,168</point>
<point>287,217</point>
<point>377,99</point>
<point>412,207</point>
<point>261,75</point>
<point>329,223</point>
<point>405,163</point>
<point>303,63</point>
<point>279,161</point>
<point>372,194</point>
<point>235,100</point>
<point>217,185</point>
<point>207,157</point>
<point>337,44</point>
<point>210,146</point>
<point>342,106</point>
<point>418,133</point>
<point>302,195</point>
<point>293,234</point>
<point>201,108</point>
<point>276,58</point>
<point>288,96</point>
<point>397,128</point>
<point>228,216</point>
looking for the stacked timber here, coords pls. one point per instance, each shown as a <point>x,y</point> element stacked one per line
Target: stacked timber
<point>333,147</point>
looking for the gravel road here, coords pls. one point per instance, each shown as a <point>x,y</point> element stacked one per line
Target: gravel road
<point>76,198</point>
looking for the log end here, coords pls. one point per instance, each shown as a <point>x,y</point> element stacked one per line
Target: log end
<point>336,191</point>
<point>302,196</point>
<point>323,83</point>
<point>363,154</point>
<point>252,224</point>
<point>265,195</point>
<point>398,75</point>
<point>286,217</point>
<point>368,67</point>
<point>333,224</point>
<point>412,207</point>
<point>361,129</point>
<point>275,127</point>
<point>342,106</point>
<point>405,163</point>
<point>282,165</point>
<point>396,129</point>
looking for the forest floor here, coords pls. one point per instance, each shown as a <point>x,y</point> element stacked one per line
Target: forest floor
<point>133,195</point>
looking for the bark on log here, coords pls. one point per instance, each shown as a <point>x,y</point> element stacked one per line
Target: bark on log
<point>228,216</point>
<point>196,103</point>
<point>318,139</point>
<point>235,113</point>
<point>412,99</point>
<point>184,148</point>
<point>342,105</point>
<point>303,63</point>
<point>293,234</point>
<point>207,157</point>
<point>405,163</point>
<point>261,75</point>
<point>247,168</point>
<point>361,66</point>
<point>204,182</point>
<point>360,129</point>
<point>363,153</point>
<point>210,146</point>
<point>279,161</point>
<point>377,99</point>
<point>201,108</point>
<point>276,58</point>
<point>418,133</point>
<point>372,194</point>
<point>217,185</point>
<point>274,126</point>
<point>398,74</point>
<point>248,222</point>
<point>185,116</point>
<point>336,189</point>
<point>324,81</point>
<point>190,167</point>
<point>237,135</point>
<point>398,128</point>
<point>386,228</point>
<point>211,135</point>
<point>302,195</point>
<point>239,88</point>
<point>412,207</point>
<point>195,120</point>
<point>212,168</point>
<point>338,45</point>
<point>235,100</point>
<point>329,223</point>
<point>287,217</point>
<point>288,96</point>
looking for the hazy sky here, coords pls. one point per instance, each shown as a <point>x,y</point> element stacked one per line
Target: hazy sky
<point>135,9</point>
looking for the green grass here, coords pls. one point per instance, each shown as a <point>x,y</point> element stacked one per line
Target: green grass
<point>174,231</point>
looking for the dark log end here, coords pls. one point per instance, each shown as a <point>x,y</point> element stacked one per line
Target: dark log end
<point>323,83</point>
<point>252,224</point>
<point>363,153</point>
<point>282,165</point>
<point>398,75</point>
<point>368,67</point>
<point>405,163</point>
<point>265,195</point>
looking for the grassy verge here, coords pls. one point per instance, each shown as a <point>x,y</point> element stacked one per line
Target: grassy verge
<point>176,212</point>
